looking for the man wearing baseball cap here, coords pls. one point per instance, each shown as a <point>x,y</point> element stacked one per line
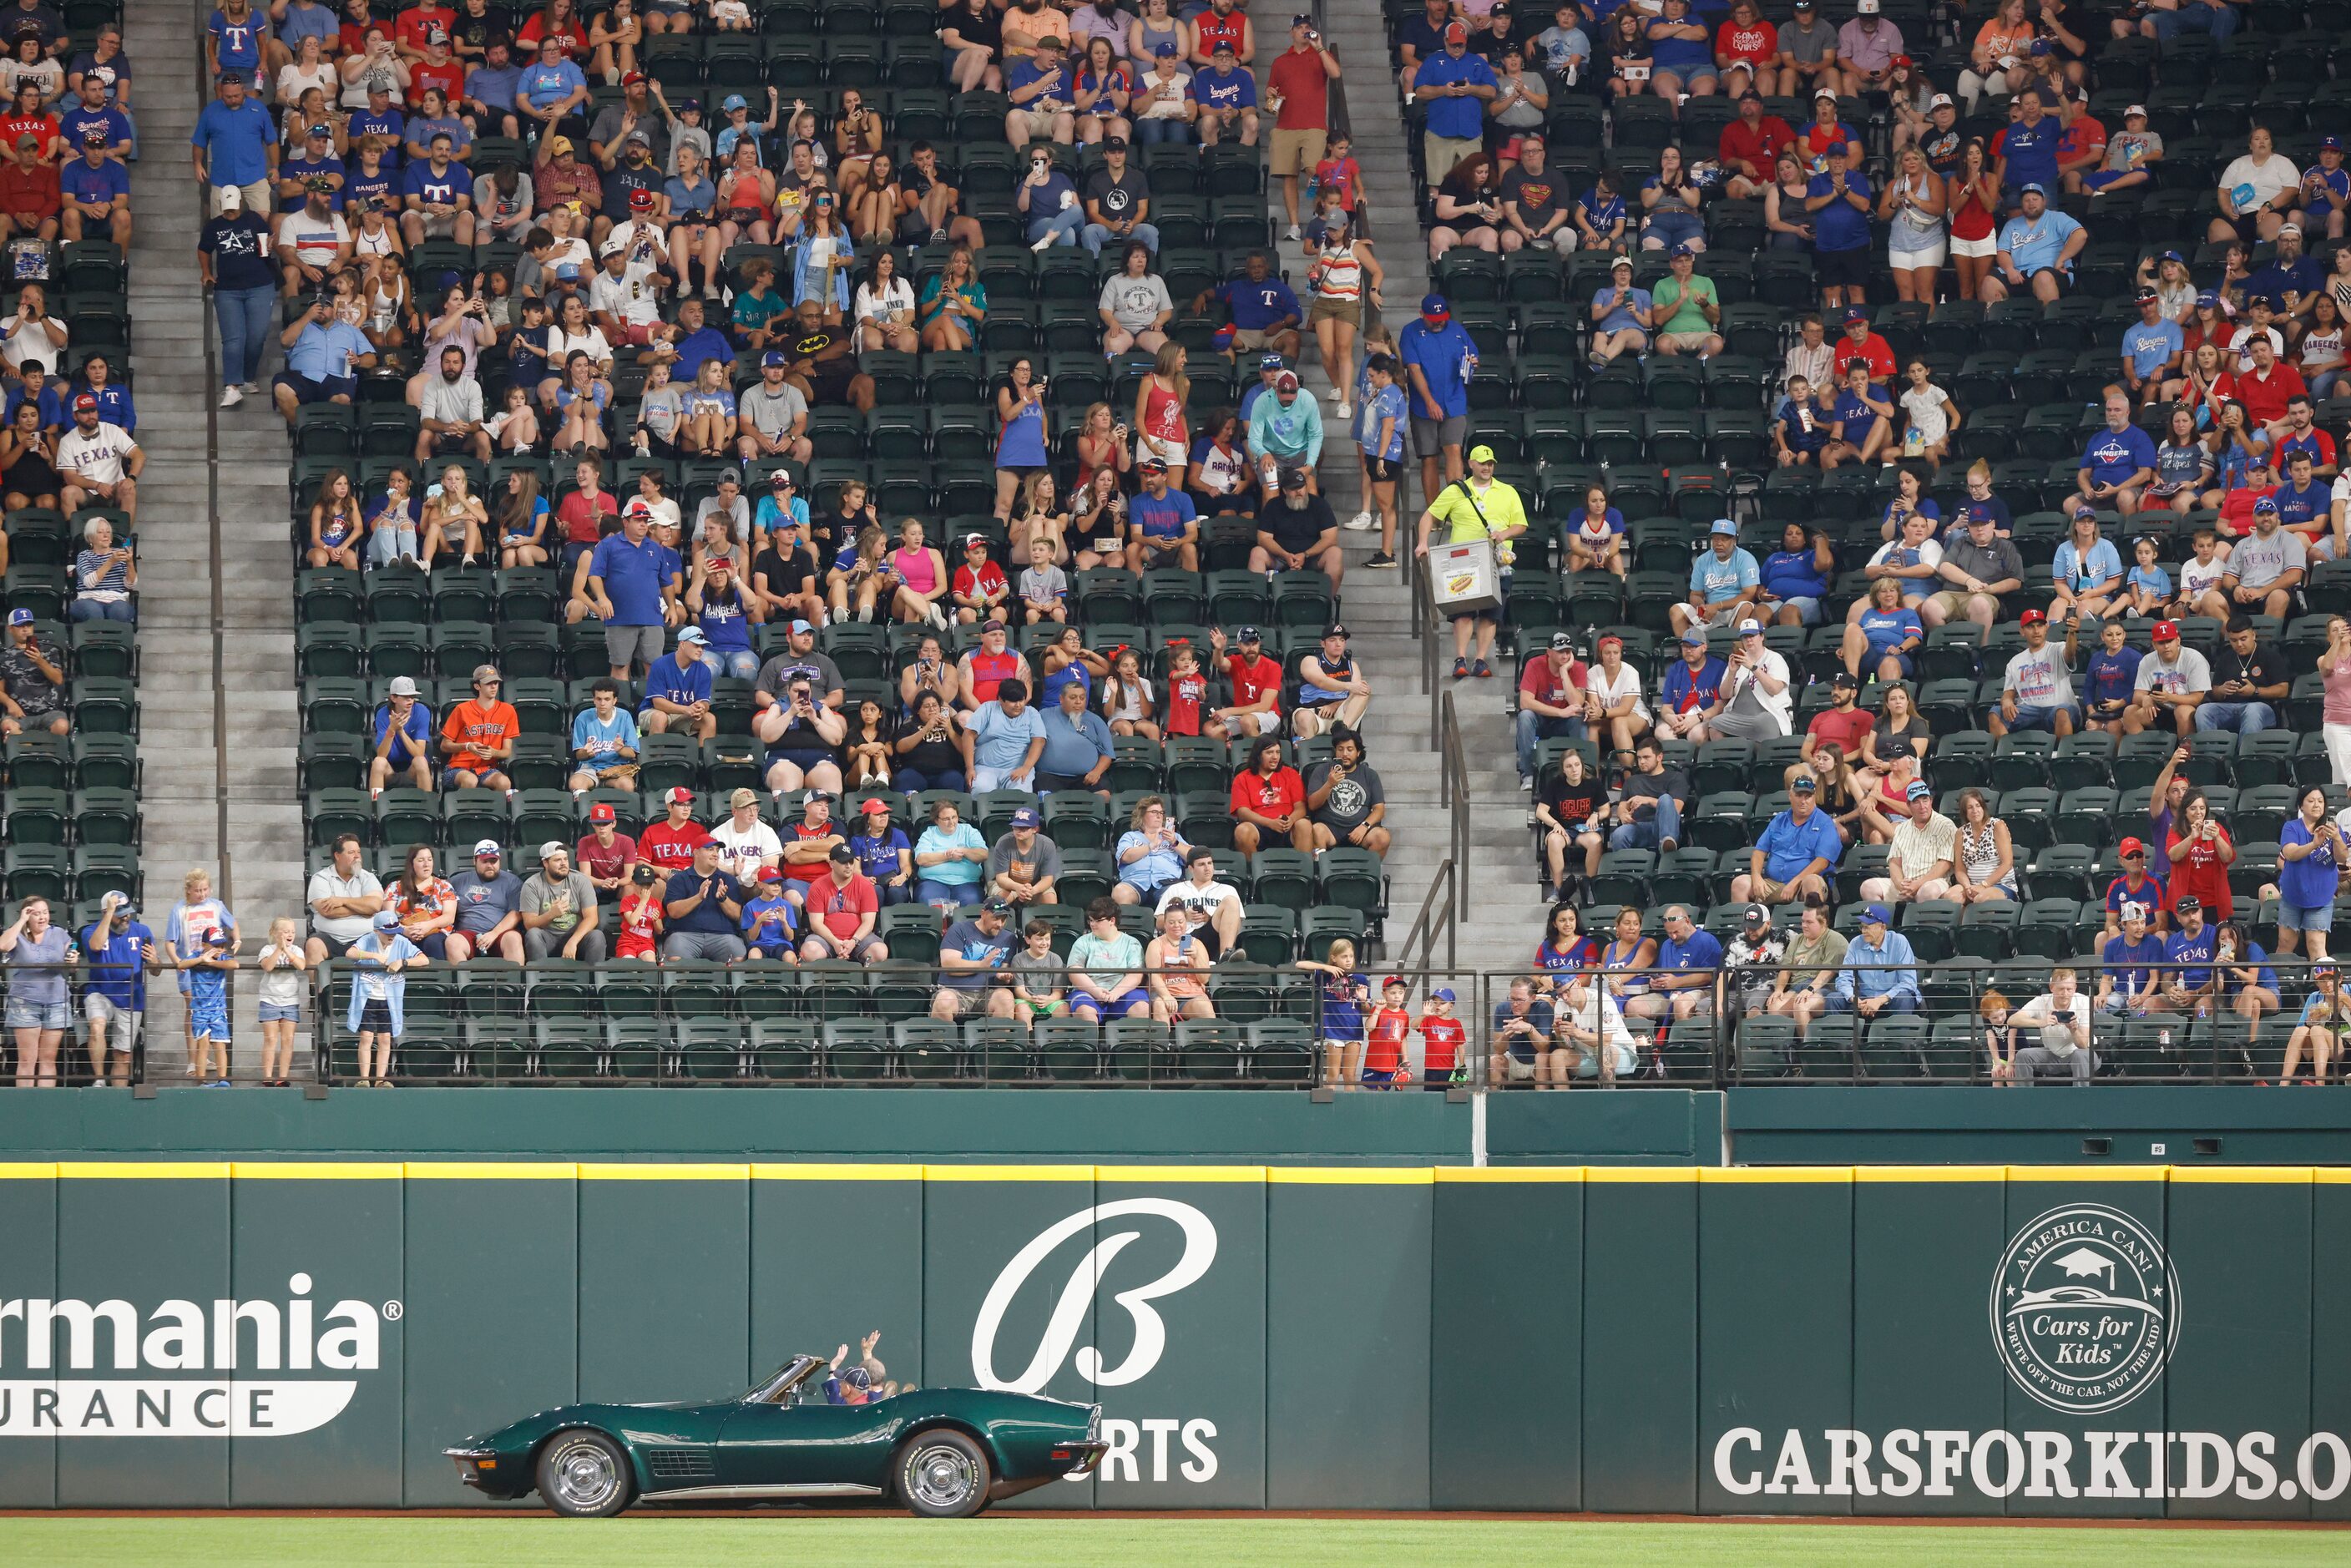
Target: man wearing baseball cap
<point>1455,85</point>
<point>2124,162</point>
<point>1297,530</point>
<point>1881,972</point>
<point>1285,432</point>
<point>2036,250</point>
<point>2151,347</point>
<point>1795,856</point>
<point>1753,958</point>
<point>489,913</point>
<point>403,739</point>
<point>668,844</point>
<point>1438,360</point>
<point>1622,315</point>
<point>2266,567</point>
<point>604,854</point>
<point>2172,684</point>
<point>1479,506</point>
<point>2037,690</point>
<point>1925,846</point>
<point>1724,582</point>
<point>559,909</point>
<point>100,461</point>
<point>2130,979</point>
<point>2136,886</point>
<point>1332,691</point>
<point>96,193</point>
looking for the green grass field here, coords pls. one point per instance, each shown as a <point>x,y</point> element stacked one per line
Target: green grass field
<point>1015,1542</point>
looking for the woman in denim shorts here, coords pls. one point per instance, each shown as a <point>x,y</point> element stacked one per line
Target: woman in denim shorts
<point>38,1014</point>
<point>282,962</point>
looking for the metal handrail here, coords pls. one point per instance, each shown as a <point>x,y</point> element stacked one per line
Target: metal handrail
<point>1453,794</point>
<point>1420,942</point>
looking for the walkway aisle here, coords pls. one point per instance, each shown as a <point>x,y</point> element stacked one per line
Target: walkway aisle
<point>216,638</point>
<point>1502,913</point>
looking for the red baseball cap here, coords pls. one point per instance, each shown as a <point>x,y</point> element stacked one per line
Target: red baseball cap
<point>1455,33</point>
<point>680,797</point>
<point>599,812</point>
<point>2130,847</point>
<point>2167,632</point>
<point>2032,618</point>
<point>876,807</point>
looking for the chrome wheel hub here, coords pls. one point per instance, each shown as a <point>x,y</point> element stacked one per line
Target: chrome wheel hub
<point>586,1476</point>
<point>942,1477</point>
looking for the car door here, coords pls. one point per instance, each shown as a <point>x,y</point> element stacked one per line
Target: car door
<point>809,1445</point>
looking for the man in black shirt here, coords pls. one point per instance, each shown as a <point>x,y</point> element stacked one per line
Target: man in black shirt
<point>1651,803</point>
<point>784,575</point>
<point>822,365</point>
<point>1533,201</point>
<point>2249,679</point>
<point>1299,532</point>
<point>1118,201</point>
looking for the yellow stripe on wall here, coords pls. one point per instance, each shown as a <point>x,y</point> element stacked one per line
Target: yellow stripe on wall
<point>1293,1175</point>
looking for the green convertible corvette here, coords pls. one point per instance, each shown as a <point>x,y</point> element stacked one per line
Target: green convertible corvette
<point>945,1453</point>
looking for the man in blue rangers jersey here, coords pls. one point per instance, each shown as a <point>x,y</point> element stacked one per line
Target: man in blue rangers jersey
<point>604,742</point>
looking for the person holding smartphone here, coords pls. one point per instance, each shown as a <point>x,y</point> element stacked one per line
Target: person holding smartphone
<point>2061,1016</point>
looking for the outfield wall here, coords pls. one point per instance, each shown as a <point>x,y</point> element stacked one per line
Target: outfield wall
<point>1814,1341</point>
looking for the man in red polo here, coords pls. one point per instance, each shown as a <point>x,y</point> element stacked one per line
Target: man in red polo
<point>669,844</point>
<point>1860,344</point>
<point>1751,146</point>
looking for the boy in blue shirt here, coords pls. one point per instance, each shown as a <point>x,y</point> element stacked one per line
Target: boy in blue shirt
<point>604,743</point>
<point>770,919</point>
<point>208,1005</point>
<point>1800,426</point>
<point>677,691</point>
<point>2109,677</point>
<point>884,853</point>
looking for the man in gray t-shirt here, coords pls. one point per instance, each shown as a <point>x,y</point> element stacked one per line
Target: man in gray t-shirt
<point>1977,566</point>
<point>773,416</point>
<point>489,898</point>
<point>1024,864</point>
<point>798,658</point>
<point>559,910</point>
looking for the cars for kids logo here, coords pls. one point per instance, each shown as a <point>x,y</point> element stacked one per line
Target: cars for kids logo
<point>2084,1309</point>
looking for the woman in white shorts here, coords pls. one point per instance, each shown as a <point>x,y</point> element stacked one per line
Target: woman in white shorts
<point>1918,242</point>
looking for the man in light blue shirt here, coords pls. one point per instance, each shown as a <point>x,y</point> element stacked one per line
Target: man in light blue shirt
<point>2037,249</point>
<point>1723,582</point>
<point>235,144</point>
<point>323,359</point>
<point>1285,430</point>
<point>1078,751</point>
<point>1002,741</point>
<point>1881,972</point>
<point>625,575</point>
<point>1620,316</point>
<point>2151,347</point>
<point>1793,855</point>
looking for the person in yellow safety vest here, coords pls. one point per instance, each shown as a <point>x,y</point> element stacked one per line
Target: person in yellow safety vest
<point>1479,506</point>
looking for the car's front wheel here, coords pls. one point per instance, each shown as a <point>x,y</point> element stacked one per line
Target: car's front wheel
<point>942,1474</point>
<point>585,1475</point>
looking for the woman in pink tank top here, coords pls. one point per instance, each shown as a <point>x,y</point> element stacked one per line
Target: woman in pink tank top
<point>922,576</point>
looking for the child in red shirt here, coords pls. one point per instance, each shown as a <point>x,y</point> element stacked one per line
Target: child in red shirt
<point>1441,1039</point>
<point>1339,173</point>
<point>1384,1049</point>
<point>641,915</point>
<point>1188,690</point>
<point>980,589</point>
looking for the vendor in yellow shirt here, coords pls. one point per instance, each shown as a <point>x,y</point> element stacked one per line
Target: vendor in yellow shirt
<point>1478,507</point>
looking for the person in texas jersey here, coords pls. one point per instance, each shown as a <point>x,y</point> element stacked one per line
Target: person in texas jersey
<point>438,195</point>
<point>822,366</point>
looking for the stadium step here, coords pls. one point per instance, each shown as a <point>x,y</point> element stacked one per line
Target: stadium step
<point>216,595</point>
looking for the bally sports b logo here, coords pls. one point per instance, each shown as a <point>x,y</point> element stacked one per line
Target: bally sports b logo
<point>2084,1309</point>
<point>1070,1310</point>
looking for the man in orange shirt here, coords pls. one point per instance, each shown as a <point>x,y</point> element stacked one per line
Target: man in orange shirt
<point>478,737</point>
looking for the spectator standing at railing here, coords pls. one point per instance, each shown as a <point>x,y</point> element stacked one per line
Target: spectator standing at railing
<point>39,958</point>
<point>280,1001</point>
<point>120,950</point>
<point>1881,972</point>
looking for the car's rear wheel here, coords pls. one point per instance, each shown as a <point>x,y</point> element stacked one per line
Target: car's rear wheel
<point>585,1475</point>
<point>942,1474</point>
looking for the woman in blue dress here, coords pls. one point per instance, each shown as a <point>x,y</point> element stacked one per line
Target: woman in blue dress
<point>1022,438</point>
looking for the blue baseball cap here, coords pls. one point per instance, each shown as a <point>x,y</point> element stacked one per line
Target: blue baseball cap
<point>2330,144</point>
<point>1685,248</point>
<point>1693,638</point>
<point>774,358</point>
<point>1269,362</point>
<point>1434,305</point>
<point>1751,628</point>
<point>387,920</point>
<point>1875,914</point>
<point>2171,255</point>
<point>20,618</point>
<point>2265,505</point>
<point>2034,188</point>
<point>1856,313</point>
<point>1919,790</point>
<point>1442,994</point>
<point>1025,818</point>
<point>733,101</point>
<point>1724,525</point>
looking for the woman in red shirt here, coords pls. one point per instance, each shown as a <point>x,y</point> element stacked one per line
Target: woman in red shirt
<point>1270,802</point>
<point>2201,853</point>
<point>1745,46</point>
<point>1971,195</point>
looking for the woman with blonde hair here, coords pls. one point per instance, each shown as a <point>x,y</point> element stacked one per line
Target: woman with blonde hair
<point>282,967</point>
<point>454,520</point>
<point>1172,967</point>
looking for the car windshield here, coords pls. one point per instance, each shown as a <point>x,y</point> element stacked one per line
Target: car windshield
<point>790,1385</point>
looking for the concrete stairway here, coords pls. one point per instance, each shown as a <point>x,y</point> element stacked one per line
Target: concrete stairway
<point>216,684</point>
<point>1500,916</point>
